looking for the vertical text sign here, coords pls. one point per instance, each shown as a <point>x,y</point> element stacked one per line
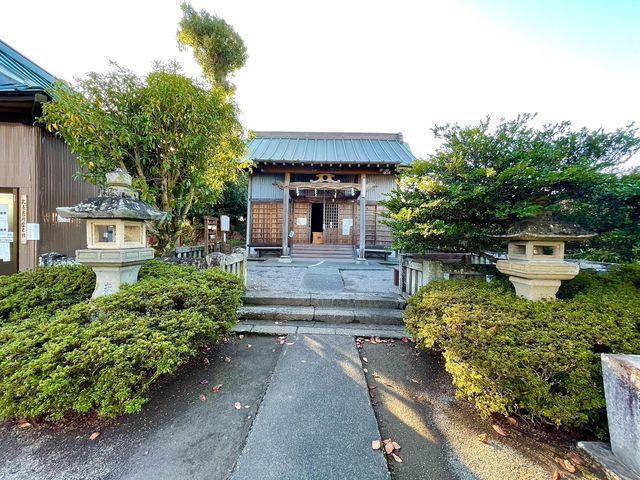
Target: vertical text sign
<point>23,219</point>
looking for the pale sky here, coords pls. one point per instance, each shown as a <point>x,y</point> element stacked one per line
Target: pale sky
<point>380,66</point>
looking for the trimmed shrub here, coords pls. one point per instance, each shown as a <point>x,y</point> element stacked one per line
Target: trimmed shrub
<point>539,359</point>
<point>103,354</point>
<point>44,291</point>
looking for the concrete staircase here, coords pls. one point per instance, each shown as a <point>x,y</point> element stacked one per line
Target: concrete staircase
<point>328,307</point>
<point>322,250</point>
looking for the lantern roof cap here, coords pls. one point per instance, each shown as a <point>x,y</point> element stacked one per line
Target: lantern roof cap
<point>116,201</point>
<point>544,227</point>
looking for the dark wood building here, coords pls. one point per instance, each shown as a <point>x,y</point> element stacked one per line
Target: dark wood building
<point>37,171</point>
<point>308,190</point>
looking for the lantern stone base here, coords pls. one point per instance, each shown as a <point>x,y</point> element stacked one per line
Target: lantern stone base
<point>534,289</point>
<point>114,267</point>
<point>537,280</point>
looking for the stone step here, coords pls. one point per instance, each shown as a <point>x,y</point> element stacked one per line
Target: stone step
<point>335,300</point>
<point>283,313</point>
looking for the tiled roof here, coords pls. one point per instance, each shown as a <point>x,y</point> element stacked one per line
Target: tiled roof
<point>19,74</point>
<point>336,148</point>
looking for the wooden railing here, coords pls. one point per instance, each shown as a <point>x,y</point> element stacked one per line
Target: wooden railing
<point>418,270</point>
<point>194,251</point>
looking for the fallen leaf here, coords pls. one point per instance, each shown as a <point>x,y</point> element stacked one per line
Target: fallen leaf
<point>378,340</point>
<point>500,430</point>
<point>371,387</point>
<point>396,445</point>
<point>246,406</point>
<point>575,458</point>
<point>483,437</point>
<point>396,458</point>
<point>389,448</point>
<point>388,384</point>
<point>375,444</point>
<point>404,339</point>
<point>237,405</point>
<point>512,421</point>
<point>421,398</point>
<point>202,397</point>
<point>216,388</point>
<point>206,360</point>
<point>204,382</point>
<point>365,370</point>
<point>555,475</point>
<point>240,337</point>
<point>372,393</point>
<point>566,464</point>
<point>373,340</point>
<point>376,375</point>
<point>414,380</point>
<point>94,435</point>
<point>227,359</point>
<point>249,345</point>
<point>24,425</point>
<point>386,440</point>
<point>364,359</point>
<point>290,343</point>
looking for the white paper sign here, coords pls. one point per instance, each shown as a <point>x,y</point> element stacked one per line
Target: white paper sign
<point>5,252</point>
<point>301,221</point>
<point>33,231</point>
<point>346,225</point>
<point>6,236</point>
<point>225,224</point>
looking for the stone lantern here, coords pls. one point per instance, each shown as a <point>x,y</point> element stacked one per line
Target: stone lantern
<point>116,233</point>
<point>535,256</point>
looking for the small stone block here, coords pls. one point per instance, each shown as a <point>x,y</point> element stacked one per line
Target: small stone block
<point>317,330</point>
<point>274,329</point>
<point>601,453</point>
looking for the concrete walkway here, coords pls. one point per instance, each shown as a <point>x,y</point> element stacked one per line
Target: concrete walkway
<point>316,420</point>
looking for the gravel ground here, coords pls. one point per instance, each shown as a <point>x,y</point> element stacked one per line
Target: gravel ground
<point>176,436</point>
<point>440,436</point>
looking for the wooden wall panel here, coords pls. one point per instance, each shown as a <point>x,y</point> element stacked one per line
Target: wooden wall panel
<point>346,211</point>
<point>266,223</point>
<point>377,233</point>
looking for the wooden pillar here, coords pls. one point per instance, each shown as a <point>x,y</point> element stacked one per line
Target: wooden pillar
<point>248,237</point>
<point>363,215</point>
<point>285,215</point>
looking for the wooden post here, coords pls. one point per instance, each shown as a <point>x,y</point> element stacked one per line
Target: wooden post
<point>285,218</point>
<point>248,236</point>
<point>363,216</point>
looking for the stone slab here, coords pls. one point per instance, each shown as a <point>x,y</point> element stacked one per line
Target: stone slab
<point>317,330</point>
<point>300,432</point>
<point>379,315</point>
<point>271,298</point>
<point>333,315</point>
<point>601,453</point>
<point>276,313</point>
<point>274,329</point>
<point>621,378</point>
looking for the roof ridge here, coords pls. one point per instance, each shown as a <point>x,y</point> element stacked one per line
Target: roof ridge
<point>330,135</point>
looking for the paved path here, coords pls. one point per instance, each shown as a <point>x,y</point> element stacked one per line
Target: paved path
<point>316,420</point>
<point>328,277</point>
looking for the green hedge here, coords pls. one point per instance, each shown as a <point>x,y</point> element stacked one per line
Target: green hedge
<point>44,291</point>
<point>539,359</point>
<point>103,354</point>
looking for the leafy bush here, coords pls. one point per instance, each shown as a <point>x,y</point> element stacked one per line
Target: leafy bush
<point>540,359</point>
<point>103,354</point>
<point>44,291</point>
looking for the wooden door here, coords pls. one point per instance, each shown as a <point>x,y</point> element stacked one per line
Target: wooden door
<point>346,223</point>
<point>331,227</point>
<point>301,220</point>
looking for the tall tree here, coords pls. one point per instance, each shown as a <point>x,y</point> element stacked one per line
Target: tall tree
<point>181,141</point>
<point>485,177</point>
<point>217,47</point>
